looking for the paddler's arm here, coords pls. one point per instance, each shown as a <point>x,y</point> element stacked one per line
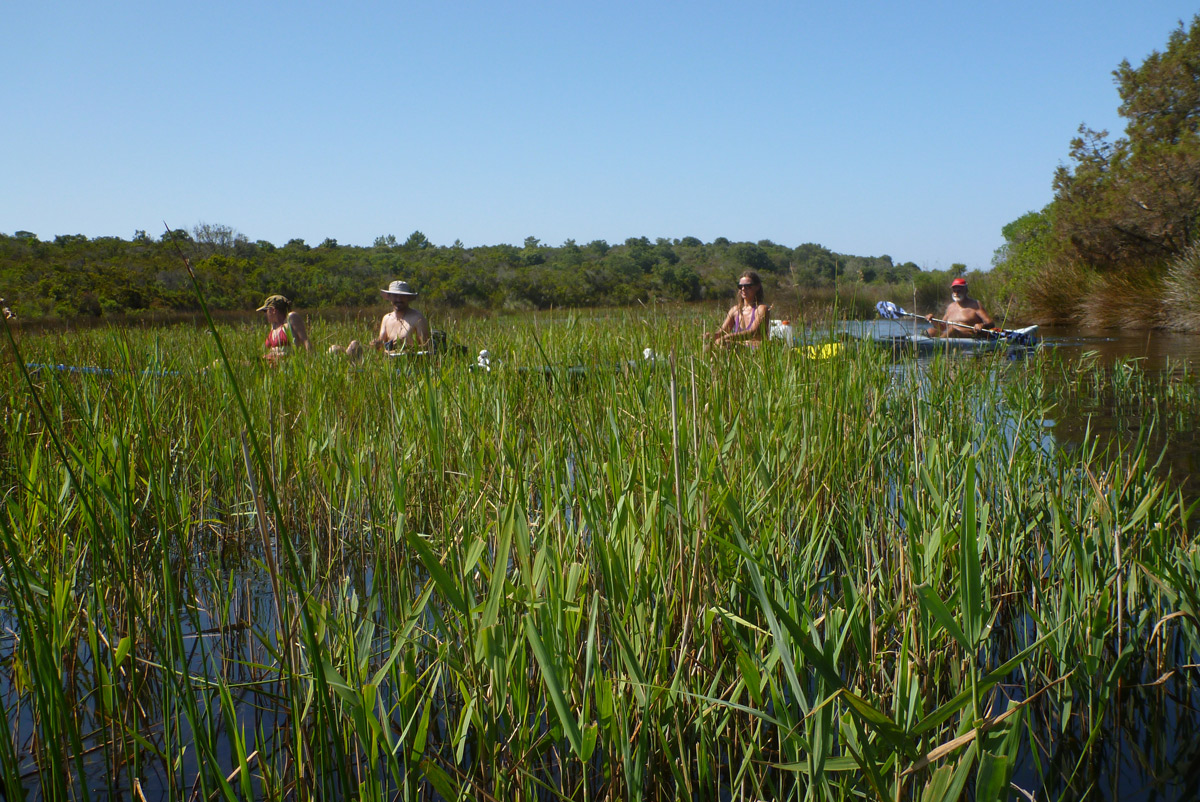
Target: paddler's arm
<point>985,321</point>
<point>299,330</point>
<point>726,326</point>
<point>423,334</point>
<point>382,337</point>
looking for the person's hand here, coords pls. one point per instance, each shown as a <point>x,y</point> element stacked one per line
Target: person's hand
<point>978,328</point>
<point>929,318</point>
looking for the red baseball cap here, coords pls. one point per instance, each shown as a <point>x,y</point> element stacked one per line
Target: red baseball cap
<point>958,282</point>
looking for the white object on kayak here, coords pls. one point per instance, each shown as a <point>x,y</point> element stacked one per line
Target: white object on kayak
<point>484,360</point>
<point>782,330</point>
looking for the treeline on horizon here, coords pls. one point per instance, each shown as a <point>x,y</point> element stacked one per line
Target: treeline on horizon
<point>1117,246</point>
<point>73,275</point>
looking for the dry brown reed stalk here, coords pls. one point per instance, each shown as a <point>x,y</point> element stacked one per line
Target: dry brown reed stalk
<point>1056,295</point>
<point>1124,302</point>
<point>1181,292</point>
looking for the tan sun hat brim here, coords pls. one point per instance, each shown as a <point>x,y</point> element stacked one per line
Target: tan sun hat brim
<point>399,287</point>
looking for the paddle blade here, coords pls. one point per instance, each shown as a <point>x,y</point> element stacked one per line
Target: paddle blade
<point>889,310</point>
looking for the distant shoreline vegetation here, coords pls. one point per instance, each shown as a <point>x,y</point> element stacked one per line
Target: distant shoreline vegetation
<point>72,276</point>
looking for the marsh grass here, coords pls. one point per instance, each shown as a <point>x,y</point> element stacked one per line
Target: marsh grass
<point>1182,292</point>
<point>751,575</point>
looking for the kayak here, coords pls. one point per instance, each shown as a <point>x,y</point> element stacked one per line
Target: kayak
<point>923,345</point>
<point>906,339</point>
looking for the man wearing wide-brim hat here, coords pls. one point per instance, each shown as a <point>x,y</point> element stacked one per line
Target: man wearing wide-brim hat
<point>404,328</point>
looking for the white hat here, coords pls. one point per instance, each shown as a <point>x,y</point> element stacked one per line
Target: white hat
<point>399,287</point>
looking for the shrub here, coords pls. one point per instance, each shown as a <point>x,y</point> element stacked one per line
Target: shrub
<point>1181,292</point>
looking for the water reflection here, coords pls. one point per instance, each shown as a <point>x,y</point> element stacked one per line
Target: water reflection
<point>1136,369</point>
<point>1156,349</point>
<point>1114,407</point>
<point>1148,750</point>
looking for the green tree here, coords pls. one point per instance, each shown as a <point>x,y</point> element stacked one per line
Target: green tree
<point>416,242</point>
<point>1135,201</point>
<point>1026,248</point>
<point>216,238</point>
<point>179,235</point>
<point>814,264</point>
<point>678,282</point>
<point>752,257</point>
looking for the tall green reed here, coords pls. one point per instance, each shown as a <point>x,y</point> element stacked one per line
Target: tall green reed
<point>756,574</point>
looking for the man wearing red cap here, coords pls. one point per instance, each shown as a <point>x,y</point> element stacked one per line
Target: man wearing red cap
<point>963,310</point>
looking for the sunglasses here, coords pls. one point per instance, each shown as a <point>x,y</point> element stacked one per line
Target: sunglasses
<point>745,286</point>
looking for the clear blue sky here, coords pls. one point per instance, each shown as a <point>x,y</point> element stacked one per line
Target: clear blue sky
<point>912,129</point>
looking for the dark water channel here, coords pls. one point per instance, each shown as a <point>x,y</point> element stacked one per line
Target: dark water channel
<point>1109,418</point>
<point>1155,350</point>
<point>1114,414</point>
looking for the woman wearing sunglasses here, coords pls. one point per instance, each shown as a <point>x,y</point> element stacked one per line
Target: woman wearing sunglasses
<point>749,320</point>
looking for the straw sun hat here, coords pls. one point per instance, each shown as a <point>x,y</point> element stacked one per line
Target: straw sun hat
<point>399,288</point>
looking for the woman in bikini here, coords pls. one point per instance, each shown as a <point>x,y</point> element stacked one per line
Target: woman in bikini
<point>287,328</point>
<point>749,320</point>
